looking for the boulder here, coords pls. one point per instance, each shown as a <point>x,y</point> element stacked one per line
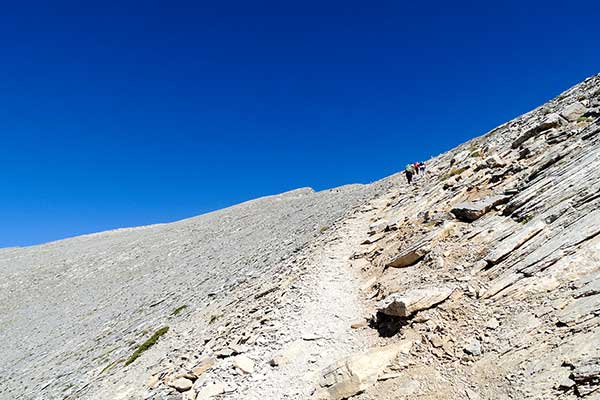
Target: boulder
<point>471,211</point>
<point>404,305</point>
<point>573,111</point>
<point>356,373</point>
<point>374,238</point>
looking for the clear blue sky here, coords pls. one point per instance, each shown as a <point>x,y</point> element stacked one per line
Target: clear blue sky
<point>130,113</point>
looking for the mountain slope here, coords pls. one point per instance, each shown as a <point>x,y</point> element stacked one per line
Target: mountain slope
<point>479,281</point>
<point>71,308</point>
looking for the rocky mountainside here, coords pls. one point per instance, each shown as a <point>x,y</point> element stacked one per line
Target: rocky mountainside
<point>481,280</point>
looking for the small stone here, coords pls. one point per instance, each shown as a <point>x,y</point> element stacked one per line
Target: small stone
<point>224,353</point>
<point>472,395</point>
<point>203,366</point>
<point>473,347</point>
<point>492,323</point>
<point>211,390</point>
<point>359,324</point>
<point>189,395</point>
<point>311,336</point>
<point>239,348</point>
<point>152,381</point>
<point>448,348</point>
<point>437,341</point>
<point>378,227</point>
<point>181,384</point>
<point>244,364</point>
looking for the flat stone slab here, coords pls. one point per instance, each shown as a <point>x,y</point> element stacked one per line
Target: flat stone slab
<point>514,241</point>
<point>573,111</point>
<point>411,255</point>
<point>356,373</point>
<point>471,211</point>
<point>406,304</point>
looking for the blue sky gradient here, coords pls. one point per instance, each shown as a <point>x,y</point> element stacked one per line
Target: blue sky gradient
<point>130,113</point>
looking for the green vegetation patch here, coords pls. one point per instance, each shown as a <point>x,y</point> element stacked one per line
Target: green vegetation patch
<point>147,344</point>
<point>324,229</point>
<point>179,309</point>
<point>111,365</point>
<point>526,219</point>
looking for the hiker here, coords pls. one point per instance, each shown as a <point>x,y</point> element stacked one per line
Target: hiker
<point>422,166</point>
<point>409,171</point>
<point>416,167</point>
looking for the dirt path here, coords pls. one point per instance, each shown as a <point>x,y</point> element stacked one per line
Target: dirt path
<point>318,322</point>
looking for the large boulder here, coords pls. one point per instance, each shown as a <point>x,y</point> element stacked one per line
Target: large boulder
<point>404,305</point>
<point>356,373</point>
<point>573,111</point>
<point>470,211</point>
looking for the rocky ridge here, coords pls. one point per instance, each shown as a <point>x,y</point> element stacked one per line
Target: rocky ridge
<point>480,281</point>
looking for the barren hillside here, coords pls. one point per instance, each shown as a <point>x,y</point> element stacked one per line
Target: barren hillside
<point>481,280</point>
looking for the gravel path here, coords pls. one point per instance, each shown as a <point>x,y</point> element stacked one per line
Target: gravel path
<point>319,318</point>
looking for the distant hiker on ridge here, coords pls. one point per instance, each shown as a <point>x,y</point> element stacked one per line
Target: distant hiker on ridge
<point>409,171</point>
